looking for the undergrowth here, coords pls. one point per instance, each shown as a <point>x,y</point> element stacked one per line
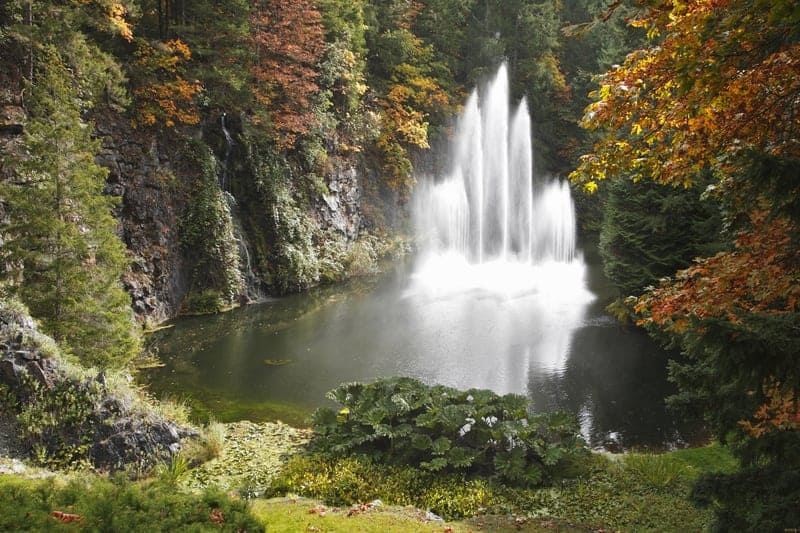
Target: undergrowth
<point>634,493</point>
<point>116,504</point>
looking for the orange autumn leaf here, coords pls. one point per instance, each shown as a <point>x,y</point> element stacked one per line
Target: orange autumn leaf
<point>288,40</point>
<point>721,81</point>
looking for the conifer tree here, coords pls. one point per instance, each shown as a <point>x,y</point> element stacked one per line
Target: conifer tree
<point>62,256</point>
<point>650,231</point>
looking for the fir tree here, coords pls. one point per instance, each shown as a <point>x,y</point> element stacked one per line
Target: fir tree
<point>63,258</point>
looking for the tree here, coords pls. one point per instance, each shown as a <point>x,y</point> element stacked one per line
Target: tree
<point>65,259</point>
<point>400,68</point>
<point>650,231</point>
<point>162,94</point>
<point>288,40</point>
<point>719,85</point>
<point>717,94</point>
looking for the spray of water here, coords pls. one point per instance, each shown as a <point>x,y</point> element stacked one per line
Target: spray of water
<point>490,222</point>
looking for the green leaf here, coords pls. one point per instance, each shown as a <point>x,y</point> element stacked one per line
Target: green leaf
<point>421,442</point>
<point>441,445</point>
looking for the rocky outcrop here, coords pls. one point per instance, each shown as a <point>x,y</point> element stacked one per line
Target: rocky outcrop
<point>71,417</point>
<point>143,174</point>
<point>340,208</point>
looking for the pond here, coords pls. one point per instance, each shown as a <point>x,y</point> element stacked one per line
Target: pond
<point>277,359</point>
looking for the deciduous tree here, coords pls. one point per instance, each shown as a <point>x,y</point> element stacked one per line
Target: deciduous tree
<point>717,93</point>
<point>288,39</point>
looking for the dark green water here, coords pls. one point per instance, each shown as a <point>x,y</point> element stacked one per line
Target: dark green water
<point>277,359</point>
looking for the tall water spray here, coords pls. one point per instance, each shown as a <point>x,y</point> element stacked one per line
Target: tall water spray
<point>489,207</point>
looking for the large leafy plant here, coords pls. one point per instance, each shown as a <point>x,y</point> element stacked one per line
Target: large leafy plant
<point>438,428</point>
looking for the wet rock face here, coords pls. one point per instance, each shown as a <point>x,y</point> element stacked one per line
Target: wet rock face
<point>120,435</point>
<point>142,173</point>
<point>340,209</point>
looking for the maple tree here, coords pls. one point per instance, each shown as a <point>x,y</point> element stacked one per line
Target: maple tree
<point>718,81</point>
<point>162,94</point>
<point>715,94</point>
<point>738,310</point>
<point>289,43</point>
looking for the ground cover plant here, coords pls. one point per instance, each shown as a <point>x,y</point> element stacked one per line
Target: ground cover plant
<point>633,492</point>
<point>100,504</point>
<point>402,421</point>
<point>382,446</point>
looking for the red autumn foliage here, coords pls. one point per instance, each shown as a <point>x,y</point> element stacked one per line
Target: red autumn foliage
<point>289,43</point>
<point>760,276</point>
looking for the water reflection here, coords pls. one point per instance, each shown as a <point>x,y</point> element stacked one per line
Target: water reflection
<point>613,377</point>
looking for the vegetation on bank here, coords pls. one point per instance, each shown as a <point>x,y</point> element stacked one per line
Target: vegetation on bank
<point>635,492</point>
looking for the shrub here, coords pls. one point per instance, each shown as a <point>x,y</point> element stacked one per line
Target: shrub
<point>99,504</point>
<point>56,422</point>
<point>658,470</point>
<point>753,499</point>
<point>437,428</point>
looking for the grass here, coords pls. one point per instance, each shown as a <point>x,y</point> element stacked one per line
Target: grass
<point>711,458</point>
<point>633,492</point>
<point>290,515</point>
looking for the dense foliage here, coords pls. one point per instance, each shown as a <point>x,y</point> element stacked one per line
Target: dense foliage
<point>650,231</point>
<point>305,88</point>
<point>591,492</point>
<point>714,96</point>
<point>117,505</point>
<point>403,421</point>
<point>62,257</point>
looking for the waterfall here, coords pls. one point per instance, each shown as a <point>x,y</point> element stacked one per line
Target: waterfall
<point>223,179</point>
<point>489,207</point>
<point>251,282</point>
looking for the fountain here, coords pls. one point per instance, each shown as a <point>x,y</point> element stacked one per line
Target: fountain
<point>489,222</point>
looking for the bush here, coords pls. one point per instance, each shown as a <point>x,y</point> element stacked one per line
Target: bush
<point>99,504</point>
<point>658,470</point>
<point>437,428</point>
<point>753,499</point>
<point>57,422</point>
<point>203,303</point>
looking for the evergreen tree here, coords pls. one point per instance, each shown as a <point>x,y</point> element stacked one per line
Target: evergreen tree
<point>64,259</point>
<point>650,231</point>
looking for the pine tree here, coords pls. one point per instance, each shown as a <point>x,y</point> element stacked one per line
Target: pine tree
<point>63,258</point>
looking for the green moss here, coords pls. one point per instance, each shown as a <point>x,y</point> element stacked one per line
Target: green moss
<point>202,303</point>
<point>208,238</point>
